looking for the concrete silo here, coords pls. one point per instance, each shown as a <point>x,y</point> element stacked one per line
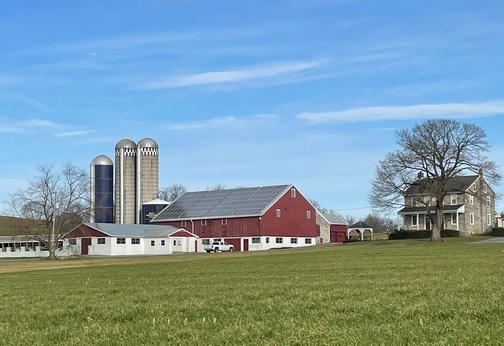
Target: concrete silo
<point>125,184</point>
<point>147,174</point>
<point>102,189</point>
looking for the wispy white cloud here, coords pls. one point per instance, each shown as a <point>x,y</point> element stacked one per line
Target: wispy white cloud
<point>422,111</point>
<point>72,133</point>
<point>10,79</point>
<point>26,126</point>
<point>232,76</point>
<point>229,123</point>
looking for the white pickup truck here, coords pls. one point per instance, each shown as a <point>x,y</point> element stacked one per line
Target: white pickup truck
<point>219,246</point>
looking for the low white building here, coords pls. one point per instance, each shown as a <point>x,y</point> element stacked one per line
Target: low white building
<point>29,246</point>
<point>110,239</point>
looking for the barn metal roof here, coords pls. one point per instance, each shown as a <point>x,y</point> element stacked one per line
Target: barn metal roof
<point>250,201</point>
<point>334,219</point>
<point>132,230</point>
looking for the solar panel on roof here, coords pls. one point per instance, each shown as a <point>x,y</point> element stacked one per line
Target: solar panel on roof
<point>243,201</point>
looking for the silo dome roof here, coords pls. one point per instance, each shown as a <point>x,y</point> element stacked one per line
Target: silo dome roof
<point>148,143</point>
<point>102,160</point>
<point>125,143</point>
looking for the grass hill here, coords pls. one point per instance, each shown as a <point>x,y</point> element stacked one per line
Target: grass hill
<point>6,225</point>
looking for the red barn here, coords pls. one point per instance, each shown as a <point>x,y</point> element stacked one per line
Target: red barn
<point>255,218</point>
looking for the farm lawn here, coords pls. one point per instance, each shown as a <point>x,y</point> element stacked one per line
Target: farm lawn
<point>371,293</point>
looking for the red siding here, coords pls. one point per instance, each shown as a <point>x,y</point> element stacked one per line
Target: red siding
<point>236,242</point>
<point>338,233</point>
<point>84,231</point>
<point>233,227</point>
<point>293,221</point>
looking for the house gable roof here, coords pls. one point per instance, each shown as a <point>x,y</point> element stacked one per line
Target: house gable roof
<point>454,184</point>
<point>250,201</point>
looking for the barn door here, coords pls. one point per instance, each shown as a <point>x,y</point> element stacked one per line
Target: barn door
<point>85,242</point>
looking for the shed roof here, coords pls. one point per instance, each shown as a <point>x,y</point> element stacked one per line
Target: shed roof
<point>334,219</point>
<point>132,230</point>
<point>248,201</point>
<point>360,224</point>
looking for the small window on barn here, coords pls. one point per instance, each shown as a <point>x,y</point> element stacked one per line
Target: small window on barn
<point>293,193</point>
<point>278,213</point>
<point>279,240</point>
<point>162,243</point>
<point>205,241</point>
<point>183,223</point>
<point>256,240</point>
<point>267,240</point>
<point>293,240</point>
<point>203,222</point>
<point>307,241</point>
<point>73,241</point>
<point>224,222</point>
<point>121,240</point>
<point>152,243</point>
<point>308,214</point>
<point>101,241</point>
<point>135,241</point>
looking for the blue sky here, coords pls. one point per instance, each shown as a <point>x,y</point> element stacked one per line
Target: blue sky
<point>244,93</point>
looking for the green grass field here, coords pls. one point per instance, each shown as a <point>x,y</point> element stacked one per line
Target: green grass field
<point>371,293</point>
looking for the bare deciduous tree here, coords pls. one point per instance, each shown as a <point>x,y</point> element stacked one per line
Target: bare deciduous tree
<point>172,192</point>
<point>438,149</point>
<point>51,205</point>
<point>380,223</point>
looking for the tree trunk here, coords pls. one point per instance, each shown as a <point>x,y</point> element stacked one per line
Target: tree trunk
<point>437,224</point>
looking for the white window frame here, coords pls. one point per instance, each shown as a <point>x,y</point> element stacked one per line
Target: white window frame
<point>454,219</point>
<point>224,221</point>
<point>203,222</point>
<point>414,220</point>
<point>183,223</point>
<point>307,241</point>
<point>279,240</point>
<point>293,193</point>
<point>135,241</point>
<point>121,241</point>
<point>205,241</point>
<point>278,212</point>
<point>101,241</point>
<point>471,218</point>
<point>256,240</point>
<point>488,201</point>
<point>471,199</point>
<point>426,200</point>
<point>152,243</point>
<point>163,243</point>
<point>485,189</point>
<point>308,214</point>
<point>294,240</point>
<point>453,199</point>
<point>489,219</point>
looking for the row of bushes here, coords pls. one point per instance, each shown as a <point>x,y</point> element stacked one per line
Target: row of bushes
<point>421,234</point>
<point>498,231</point>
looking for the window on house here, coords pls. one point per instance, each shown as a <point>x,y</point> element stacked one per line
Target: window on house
<point>152,243</point>
<point>415,202</point>
<point>485,188</point>
<point>73,241</point>
<point>293,193</point>
<point>307,241</point>
<point>474,188</point>
<point>267,240</point>
<point>224,222</point>
<point>279,240</point>
<point>414,220</point>
<point>162,243</point>
<point>121,240</point>
<point>256,240</point>
<point>471,218</point>
<point>101,241</point>
<point>471,199</point>
<point>135,241</point>
<point>453,199</point>
<point>488,201</point>
<point>488,219</point>
<point>278,213</point>
<point>205,241</point>
<point>183,223</point>
<point>308,214</point>
<point>203,222</point>
<point>426,200</point>
<point>453,219</point>
<point>293,240</point>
